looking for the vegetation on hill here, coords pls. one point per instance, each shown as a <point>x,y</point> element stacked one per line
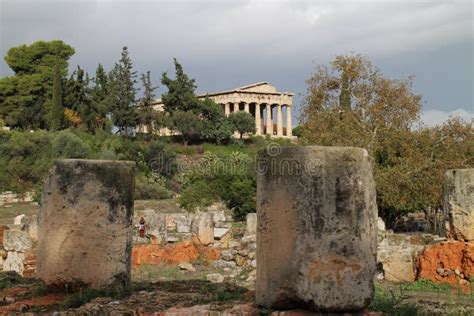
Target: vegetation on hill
<point>348,103</point>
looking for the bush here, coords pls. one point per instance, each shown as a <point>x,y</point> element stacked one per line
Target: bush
<point>147,189</point>
<point>230,178</point>
<point>68,145</point>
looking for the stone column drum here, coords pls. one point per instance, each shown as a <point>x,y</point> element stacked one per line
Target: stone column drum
<point>459,203</point>
<point>317,226</point>
<point>85,224</point>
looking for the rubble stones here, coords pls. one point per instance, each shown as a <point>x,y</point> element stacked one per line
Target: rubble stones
<point>85,223</point>
<point>317,225</point>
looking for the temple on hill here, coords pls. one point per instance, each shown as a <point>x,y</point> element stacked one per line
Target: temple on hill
<point>267,105</point>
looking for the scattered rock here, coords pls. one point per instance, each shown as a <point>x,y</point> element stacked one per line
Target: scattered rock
<point>380,224</point>
<point>220,232</point>
<point>155,226</point>
<point>187,266</point>
<point>397,255</point>
<point>18,219</point>
<point>203,228</point>
<point>183,224</point>
<point>437,260</point>
<point>16,240</point>
<point>215,278</point>
<point>14,262</point>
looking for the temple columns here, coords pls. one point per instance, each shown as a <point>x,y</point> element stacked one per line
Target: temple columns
<point>227,109</point>
<point>279,121</point>
<point>269,128</point>
<point>258,120</point>
<point>246,107</point>
<point>288,121</point>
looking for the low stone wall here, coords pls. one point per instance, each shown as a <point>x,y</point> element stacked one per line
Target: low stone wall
<point>8,197</point>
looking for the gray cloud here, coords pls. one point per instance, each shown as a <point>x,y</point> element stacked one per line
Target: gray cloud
<point>224,44</point>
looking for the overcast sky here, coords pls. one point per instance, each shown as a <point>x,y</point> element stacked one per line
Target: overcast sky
<point>226,44</point>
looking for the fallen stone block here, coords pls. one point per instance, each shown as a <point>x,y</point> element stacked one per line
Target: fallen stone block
<point>85,223</point>
<point>459,204</point>
<point>16,240</point>
<point>251,223</point>
<point>203,228</point>
<point>317,226</point>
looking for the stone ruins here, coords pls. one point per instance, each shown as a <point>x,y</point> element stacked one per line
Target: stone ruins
<point>262,100</point>
<point>85,223</point>
<point>317,229</point>
<point>459,204</point>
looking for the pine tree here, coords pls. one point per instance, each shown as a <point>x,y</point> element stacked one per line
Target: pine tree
<point>146,104</point>
<point>122,92</point>
<point>57,110</point>
<point>180,96</point>
<point>100,97</point>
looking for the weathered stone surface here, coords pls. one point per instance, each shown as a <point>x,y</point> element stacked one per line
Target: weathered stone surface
<point>459,203</point>
<point>380,224</point>
<point>18,219</point>
<point>203,228</point>
<point>30,225</point>
<point>16,240</point>
<point>220,232</point>
<point>317,225</point>
<point>215,278</point>
<point>397,254</point>
<point>251,221</point>
<point>155,225</point>
<point>183,224</point>
<point>85,223</point>
<point>14,262</point>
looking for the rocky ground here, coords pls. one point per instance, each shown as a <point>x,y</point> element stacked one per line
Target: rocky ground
<point>175,274</point>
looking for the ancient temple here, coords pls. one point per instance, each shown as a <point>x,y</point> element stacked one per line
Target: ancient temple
<point>270,108</point>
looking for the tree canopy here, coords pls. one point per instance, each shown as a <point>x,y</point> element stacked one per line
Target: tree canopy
<point>351,103</point>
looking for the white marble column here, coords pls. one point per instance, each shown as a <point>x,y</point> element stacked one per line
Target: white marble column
<point>258,120</point>
<point>236,106</point>
<point>288,121</point>
<point>246,107</point>
<point>227,109</point>
<point>279,121</point>
<point>269,119</point>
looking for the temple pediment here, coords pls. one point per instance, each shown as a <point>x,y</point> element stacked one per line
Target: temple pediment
<point>258,87</point>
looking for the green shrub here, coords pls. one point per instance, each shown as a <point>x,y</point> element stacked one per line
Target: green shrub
<point>230,178</point>
<point>147,189</point>
<point>68,145</point>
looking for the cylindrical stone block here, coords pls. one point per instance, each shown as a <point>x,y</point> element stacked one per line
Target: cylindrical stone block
<point>85,224</point>
<point>459,204</point>
<point>317,226</point>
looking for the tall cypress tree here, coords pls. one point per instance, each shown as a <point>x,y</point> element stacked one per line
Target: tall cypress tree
<point>100,96</point>
<point>57,110</point>
<point>122,90</point>
<point>146,104</point>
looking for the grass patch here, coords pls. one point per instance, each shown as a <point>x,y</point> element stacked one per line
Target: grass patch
<point>9,212</point>
<point>390,302</point>
<point>427,286</point>
<point>85,295</point>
